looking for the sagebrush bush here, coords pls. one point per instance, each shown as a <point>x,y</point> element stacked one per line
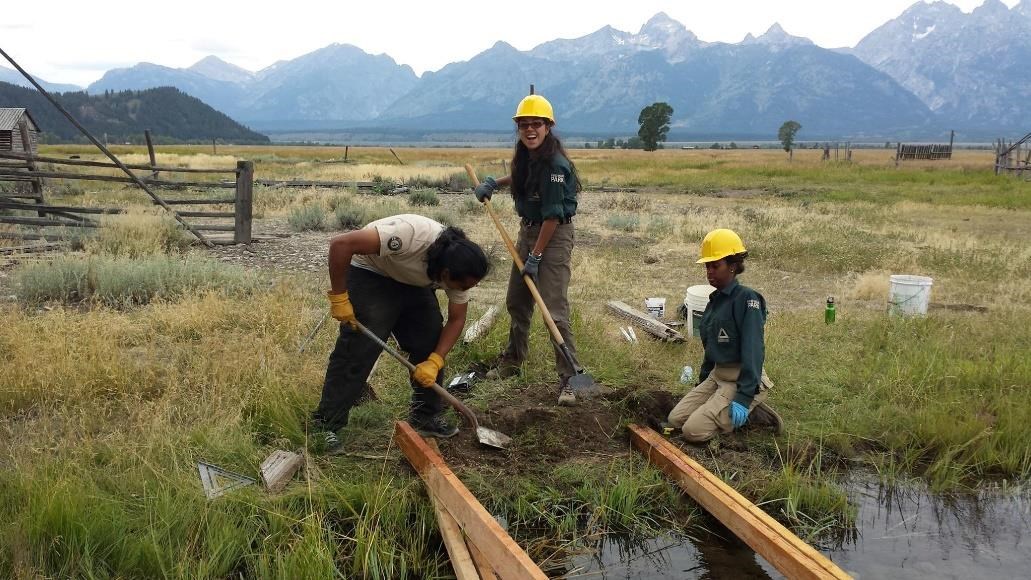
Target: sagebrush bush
<point>120,281</point>
<point>350,215</point>
<point>307,218</point>
<point>421,197</point>
<point>623,223</point>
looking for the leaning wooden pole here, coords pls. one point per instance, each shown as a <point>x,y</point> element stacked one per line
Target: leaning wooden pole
<point>107,152</point>
<point>482,531</point>
<point>781,548</point>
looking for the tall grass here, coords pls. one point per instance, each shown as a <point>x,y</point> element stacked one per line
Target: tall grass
<point>139,234</point>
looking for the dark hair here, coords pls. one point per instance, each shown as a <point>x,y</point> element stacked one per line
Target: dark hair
<point>457,254</point>
<point>522,157</point>
<point>737,259</point>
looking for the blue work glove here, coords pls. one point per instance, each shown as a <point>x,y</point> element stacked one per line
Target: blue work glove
<point>485,189</point>
<point>738,414</point>
<point>530,267</point>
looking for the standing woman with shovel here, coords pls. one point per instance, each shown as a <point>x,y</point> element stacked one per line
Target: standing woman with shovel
<point>544,187</point>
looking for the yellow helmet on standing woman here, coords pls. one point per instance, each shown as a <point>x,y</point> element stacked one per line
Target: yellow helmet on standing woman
<point>534,106</point>
<point>719,244</point>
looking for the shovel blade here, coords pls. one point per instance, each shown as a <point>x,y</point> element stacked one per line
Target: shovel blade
<point>492,438</point>
<point>583,384</point>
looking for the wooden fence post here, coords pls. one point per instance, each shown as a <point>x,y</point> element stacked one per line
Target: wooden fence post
<point>244,201</point>
<point>150,151</point>
<point>37,183</point>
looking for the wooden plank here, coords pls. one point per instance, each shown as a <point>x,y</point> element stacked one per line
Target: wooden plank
<point>483,325</point>
<point>44,222</point>
<point>214,228</point>
<point>644,321</point>
<point>116,179</point>
<point>65,208</point>
<point>279,468</point>
<point>781,548</point>
<point>218,201</point>
<point>244,201</point>
<point>33,249</point>
<point>150,153</point>
<point>454,540</point>
<point>506,557</point>
<point>86,163</point>
<point>206,214</point>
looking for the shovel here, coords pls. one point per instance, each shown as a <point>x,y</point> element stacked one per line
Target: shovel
<point>488,437</point>
<point>581,382</point>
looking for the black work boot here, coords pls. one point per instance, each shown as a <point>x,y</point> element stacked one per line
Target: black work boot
<point>764,416</point>
<point>434,426</point>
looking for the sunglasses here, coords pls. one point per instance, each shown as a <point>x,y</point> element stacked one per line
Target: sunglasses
<point>524,125</point>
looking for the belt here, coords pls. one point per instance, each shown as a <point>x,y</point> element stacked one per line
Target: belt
<point>529,222</point>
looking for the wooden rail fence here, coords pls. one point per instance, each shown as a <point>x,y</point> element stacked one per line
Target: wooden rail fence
<point>1014,158</point>
<point>28,207</point>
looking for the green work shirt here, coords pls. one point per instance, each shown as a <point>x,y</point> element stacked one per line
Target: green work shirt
<point>550,190</point>
<point>732,332</point>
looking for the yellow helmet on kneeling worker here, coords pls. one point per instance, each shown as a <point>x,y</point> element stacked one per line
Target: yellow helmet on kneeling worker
<point>719,244</point>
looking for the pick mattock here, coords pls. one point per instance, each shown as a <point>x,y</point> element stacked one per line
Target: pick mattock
<point>488,437</point>
<point>581,382</point>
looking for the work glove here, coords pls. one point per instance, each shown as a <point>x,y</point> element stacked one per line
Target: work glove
<point>485,189</point>
<point>340,307</point>
<point>426,372</point>
<point>738,414</point>
<point>531,266</point>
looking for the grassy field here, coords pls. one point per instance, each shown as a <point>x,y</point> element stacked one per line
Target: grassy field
<point>126,362</point>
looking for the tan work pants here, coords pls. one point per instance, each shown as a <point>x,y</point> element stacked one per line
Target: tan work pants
<point>705,410</point>
<point>552,283</point>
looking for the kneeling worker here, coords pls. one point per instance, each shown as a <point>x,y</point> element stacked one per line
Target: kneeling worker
<point>734,385</point>
<point>385,276</point>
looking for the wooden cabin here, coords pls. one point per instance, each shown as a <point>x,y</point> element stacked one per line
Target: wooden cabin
<point>14,122</point>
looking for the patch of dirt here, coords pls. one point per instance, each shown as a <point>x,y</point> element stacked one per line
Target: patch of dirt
<point>545,434</point>
<point>279,249</point>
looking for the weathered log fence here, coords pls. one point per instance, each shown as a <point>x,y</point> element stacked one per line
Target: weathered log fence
<point>22,168</point>
<point>1014,158</point>
<point>933,151</point>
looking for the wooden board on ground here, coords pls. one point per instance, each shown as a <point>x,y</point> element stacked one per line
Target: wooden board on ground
<point>454,540</point>
<point>507,559</point>
<point>644,321</point>
<point>279,468</point>
<point>483,325</point>
<point>781,548</point>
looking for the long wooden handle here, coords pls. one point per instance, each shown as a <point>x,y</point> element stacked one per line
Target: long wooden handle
<point>461,408</point>
<point>548,320</point>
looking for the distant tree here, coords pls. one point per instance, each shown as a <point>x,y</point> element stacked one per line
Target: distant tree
<point>654,122</point>
<point>610,143</point>
<point>715,146</point>
<point>619,144</point>
<point>786,135</point>
<point>733,145</point>
<point>887,144</point>
<point>587,144</point>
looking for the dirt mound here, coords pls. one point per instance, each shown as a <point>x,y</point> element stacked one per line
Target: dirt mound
<point>545,434</point>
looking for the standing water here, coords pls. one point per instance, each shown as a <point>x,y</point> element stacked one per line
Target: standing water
<point>904,533</point>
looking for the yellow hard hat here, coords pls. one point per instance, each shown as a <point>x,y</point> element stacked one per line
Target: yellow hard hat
<point>719,244</point>
<point>534,106</point>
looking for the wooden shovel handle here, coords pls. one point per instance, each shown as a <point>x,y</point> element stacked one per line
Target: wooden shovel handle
<point>461,408</point>
<point>548,320</point>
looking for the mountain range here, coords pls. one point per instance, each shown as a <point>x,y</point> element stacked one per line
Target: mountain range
<point>170,114</point>
<point>932,69</point>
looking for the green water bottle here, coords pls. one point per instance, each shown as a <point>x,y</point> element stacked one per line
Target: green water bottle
<point>829,313</point>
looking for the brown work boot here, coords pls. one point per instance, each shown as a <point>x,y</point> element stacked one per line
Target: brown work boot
<point>503,368</point>
<point>763,415</point>
<point>566,395</point>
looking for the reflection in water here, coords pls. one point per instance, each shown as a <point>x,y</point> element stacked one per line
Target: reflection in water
<point>908,533</point>
<point>903,533</point>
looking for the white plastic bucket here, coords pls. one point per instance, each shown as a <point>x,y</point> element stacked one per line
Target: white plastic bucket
<point>909,295</point>
<point>696,300</point>
<point>656,306</point>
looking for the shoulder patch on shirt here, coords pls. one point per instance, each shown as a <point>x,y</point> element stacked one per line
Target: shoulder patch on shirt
<point>753,303</point>
<point>558,178</point>
<point>394,243</point>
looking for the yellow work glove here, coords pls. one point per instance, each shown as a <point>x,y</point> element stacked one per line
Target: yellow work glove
<point>426,372</point>
<point>340,307</point>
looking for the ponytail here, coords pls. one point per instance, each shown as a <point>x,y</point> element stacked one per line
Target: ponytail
<point>459,255</point>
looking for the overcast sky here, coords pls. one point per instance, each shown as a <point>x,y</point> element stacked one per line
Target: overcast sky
<point>75,41</point>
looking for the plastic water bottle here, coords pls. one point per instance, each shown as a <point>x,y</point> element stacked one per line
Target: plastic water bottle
<point>829,313</point>
<point>687,375</point>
